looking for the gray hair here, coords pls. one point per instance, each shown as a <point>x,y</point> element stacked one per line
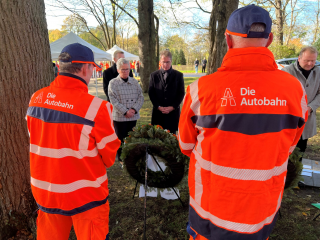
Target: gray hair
<point>166,53</point>
<point>257,27</point>
<point>115,54</point>
<point>122,61</point>
<point>68,67</point>
<point>308,48</point>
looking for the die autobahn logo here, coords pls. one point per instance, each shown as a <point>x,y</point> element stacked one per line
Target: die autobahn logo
<point>249,98</point>
<point>228,96</point>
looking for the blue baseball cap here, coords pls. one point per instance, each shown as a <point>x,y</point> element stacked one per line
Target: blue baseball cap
<point>80,54</point>
<point>241,20</point>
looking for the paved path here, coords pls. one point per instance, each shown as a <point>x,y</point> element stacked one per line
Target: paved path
<point>194,74</point>
<point>92,89</point>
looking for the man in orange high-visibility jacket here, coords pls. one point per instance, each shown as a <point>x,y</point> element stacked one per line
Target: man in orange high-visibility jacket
<point>239,126</point>
<point>72,142</point>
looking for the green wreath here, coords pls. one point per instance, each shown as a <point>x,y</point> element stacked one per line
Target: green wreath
<point>160,143</point>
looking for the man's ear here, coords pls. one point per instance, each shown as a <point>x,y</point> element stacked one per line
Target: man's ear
<point>228,40</point>
<point>270,39</point>
<point>84,69</point>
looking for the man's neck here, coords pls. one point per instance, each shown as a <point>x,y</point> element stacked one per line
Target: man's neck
<point>75,75</point>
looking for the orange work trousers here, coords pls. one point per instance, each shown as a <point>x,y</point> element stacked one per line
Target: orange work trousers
<point>89,225</point>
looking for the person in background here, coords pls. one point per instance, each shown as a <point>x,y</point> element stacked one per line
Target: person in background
<point>127,99</point>
<point>100,70</point>
<point>196,65</point>
<point>134,67</point>
<point>111,73</point>
<point>137,69</point>
<point>239,126</point>
<point>72,143</point>
<point>166,92</point>
<point>55,69</point>
<point>107,65</point>
<point>308,74</point>
<point>204,65</point>
<point>57,65</point>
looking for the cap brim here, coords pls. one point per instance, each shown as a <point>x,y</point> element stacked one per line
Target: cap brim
<point>99,68</point>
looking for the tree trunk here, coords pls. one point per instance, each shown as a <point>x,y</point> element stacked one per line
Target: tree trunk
<point>147,42</point>
<point>221,11</point>
<point>316,30</point>
<point>114,19</point>
<point>157,39</point>
<point>25,66</point>
<point>279,20</point>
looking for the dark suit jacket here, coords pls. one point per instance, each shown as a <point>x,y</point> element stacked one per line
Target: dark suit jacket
<point>110,74</point>
<point>165,94</point>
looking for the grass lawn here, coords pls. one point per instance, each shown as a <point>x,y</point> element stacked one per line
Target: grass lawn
<point>167,219</point>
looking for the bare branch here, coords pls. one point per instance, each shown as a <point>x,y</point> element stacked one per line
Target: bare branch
<point>133,18</point>
<point>202,8</point>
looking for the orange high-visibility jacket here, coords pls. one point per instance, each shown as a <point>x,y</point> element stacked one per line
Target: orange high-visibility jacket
<point>72,142</point>
<point>239,126</point>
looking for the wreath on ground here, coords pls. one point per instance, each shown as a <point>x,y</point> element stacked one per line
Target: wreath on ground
<point>163,145</point>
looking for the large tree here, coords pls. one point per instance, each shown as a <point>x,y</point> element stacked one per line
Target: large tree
<point>221,11</point>
<point>148,25</point>
<point>25,66</point>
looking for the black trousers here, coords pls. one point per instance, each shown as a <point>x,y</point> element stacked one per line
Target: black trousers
<point>302,144</point>
<point>203,69</point>
<point>122,129</point>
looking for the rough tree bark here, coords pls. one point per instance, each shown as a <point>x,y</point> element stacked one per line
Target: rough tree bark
<point>147,42</point>
<point>157,39</point>
<point>280,20</point>
<point>221,11</point>
<point>25,66</point>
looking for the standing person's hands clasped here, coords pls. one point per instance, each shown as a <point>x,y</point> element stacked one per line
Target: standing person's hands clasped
<point>166,110</point>
<point>130,113</point>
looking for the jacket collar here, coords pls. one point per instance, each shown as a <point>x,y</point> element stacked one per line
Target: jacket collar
<point>114,68</point>
<point>248,59</point>
<point>68,80</point>
<point>130,80</point>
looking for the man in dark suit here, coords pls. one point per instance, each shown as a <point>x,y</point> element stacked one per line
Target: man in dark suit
<point>111,73</point>
<point>166,92</point>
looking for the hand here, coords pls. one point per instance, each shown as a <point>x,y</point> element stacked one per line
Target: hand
<point>161,109</point>
<point>309,110</point>
<point>130,113</point>
<point>167,110</point>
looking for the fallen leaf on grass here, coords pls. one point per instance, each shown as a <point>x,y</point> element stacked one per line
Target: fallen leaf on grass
<point>304,214</point>
<point>307,209</point>
<point>118,191</point>
<point>308,195</point>
<point>296,187</point>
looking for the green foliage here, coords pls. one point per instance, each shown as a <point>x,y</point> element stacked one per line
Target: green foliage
<point>317,46</point>
<point>282,51</point>
<point>181,58</point>
<point>295,159</point>
<point>175,56</point>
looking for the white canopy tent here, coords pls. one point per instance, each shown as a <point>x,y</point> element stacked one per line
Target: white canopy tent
<point>127,55</point>
<point>57,46</point>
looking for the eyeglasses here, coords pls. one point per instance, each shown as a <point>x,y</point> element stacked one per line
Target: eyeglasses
<point>124,70</point>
